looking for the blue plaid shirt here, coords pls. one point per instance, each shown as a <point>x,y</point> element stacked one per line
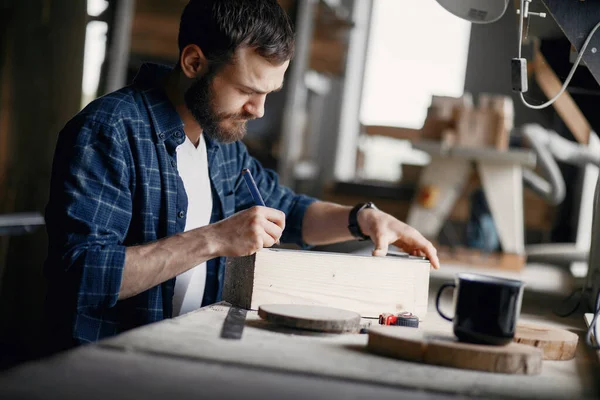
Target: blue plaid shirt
<point>115,184</point>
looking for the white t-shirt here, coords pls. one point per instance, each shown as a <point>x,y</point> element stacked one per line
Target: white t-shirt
<point>192,164</point>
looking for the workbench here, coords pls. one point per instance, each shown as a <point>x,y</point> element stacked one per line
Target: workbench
<point>501,175</point>
<point>185,357</point>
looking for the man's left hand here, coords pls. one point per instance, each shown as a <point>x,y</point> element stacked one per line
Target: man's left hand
<point>385,230</point>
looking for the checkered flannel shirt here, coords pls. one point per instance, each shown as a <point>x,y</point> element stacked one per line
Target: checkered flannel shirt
<point>115,184</point>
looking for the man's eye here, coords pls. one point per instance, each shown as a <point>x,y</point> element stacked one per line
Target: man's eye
<point>247,93</point>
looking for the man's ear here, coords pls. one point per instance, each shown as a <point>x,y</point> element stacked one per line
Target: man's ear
<point>193,62</point>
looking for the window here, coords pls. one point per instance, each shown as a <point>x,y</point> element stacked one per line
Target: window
<point>95,49</point>
<point>416,49</point>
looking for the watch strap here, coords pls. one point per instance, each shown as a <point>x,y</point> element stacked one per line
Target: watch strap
<point>353,225</point>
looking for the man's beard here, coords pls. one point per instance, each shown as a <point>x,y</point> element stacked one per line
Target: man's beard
<point>199,100</point>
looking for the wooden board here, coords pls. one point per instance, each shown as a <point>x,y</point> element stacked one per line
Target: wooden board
<point>523,157</point>
<point>178,352</point>
<point>366,285</point>
<point>476,258</point>
<point>565,106</point>
<point>314,318</point>
<point>503,187</point>
<point>556,344</point>
<point>448,176</point>
<point>482,128</point>
<point>412,344</point>
<point>393,132</point>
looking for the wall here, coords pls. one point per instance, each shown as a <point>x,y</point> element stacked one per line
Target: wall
<point>41,77</point>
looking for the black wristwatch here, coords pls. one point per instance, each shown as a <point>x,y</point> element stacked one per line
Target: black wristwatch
<point>353,226</point>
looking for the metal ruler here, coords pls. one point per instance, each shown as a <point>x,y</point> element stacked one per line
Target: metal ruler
<point>233,326</point>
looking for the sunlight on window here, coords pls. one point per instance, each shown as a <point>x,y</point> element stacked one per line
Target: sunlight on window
<point>95,49</point>
<point>94,53</point>
<point>416,49</point>
<point>96,7</point>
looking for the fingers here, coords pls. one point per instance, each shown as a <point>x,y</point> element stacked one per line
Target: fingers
<point>424,248</point>
<point>271,214</point>
<point>416,245</point>
<point>272,233</point>
<point>268,223</point>
<point>431,254</point>
<point>381,245</point>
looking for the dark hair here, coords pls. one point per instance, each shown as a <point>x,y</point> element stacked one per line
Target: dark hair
<point>219,27</point>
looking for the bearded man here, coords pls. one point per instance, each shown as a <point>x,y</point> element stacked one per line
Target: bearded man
<point>147,197</point>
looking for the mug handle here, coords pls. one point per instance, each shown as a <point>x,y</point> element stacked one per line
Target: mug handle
<point>437,299</point>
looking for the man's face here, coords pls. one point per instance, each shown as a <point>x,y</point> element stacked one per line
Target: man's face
<point>224,101</point>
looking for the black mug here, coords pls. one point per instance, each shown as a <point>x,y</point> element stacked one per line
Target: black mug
<point>486,308</point>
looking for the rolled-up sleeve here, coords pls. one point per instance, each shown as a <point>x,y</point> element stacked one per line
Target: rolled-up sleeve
<point>88,213</point>
<point>275,195</point>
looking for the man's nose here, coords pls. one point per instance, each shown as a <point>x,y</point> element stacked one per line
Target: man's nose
<point>256,106</point>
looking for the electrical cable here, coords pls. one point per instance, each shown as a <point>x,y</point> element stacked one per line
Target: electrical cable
<point>581,293</point>
<point>571,73</point>
<point>593,329</point>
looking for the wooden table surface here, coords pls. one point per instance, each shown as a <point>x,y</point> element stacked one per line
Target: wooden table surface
<point>186,358</point>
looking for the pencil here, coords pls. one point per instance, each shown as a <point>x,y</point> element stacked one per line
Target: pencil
<point>258,200</point>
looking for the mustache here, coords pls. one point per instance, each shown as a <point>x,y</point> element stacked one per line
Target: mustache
<point>241,115</point>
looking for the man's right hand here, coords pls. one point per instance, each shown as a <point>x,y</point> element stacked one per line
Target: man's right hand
<point>246,232</point>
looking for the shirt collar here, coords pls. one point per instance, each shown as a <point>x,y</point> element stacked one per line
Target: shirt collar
<point>165,119</point>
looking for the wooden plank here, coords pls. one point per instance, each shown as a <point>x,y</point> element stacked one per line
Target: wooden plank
<point>154,34</point>
<point>443,349</point>
<point>161,7</point>
<point>94,373</point>
<point>363,284</point>
<point>565,106</point>
<point>195,338</point>
<point>393,132</point>
<point>476,258</point>
<point>503,187</point>
<point>525,158</point>
<point>441,183</point>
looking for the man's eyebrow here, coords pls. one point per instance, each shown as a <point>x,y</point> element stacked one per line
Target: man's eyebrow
<point>255,90</point>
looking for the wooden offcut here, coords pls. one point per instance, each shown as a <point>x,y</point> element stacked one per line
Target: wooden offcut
<point>456,121</point>
<point>416,345</point>
<point>557,344</point>
<point>366,285</point>
<point>565,106</point>
<point>313,318</point>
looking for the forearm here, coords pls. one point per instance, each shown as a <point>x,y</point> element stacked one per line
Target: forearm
<point>151,264</point>
<point>326,223</point>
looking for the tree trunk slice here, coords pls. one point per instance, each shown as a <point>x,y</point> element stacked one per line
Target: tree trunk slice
<point>416,345</point>
<point>314,318</point>
<point>556,344</point>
